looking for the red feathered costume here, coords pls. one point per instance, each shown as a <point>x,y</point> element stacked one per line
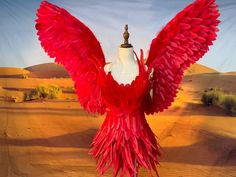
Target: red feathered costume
<point>125,140</point>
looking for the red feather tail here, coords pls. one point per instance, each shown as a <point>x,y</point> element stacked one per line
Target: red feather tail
<point>126,142</point>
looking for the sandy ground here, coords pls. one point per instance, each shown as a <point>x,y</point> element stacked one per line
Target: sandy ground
<point>54,142</point>
<point>52,138</point>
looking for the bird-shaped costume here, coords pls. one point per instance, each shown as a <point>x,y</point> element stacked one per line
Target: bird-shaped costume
<point>125,140</point>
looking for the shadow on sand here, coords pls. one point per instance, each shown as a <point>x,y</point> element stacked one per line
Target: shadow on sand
<point>212,150</point>
<point>192,109</point>
<point>77,140</point>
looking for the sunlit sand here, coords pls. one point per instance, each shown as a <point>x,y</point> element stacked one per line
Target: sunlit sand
<point>51,138</point>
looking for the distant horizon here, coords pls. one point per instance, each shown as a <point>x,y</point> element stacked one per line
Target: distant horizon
<point>106,62</point>
<point>19,46</point>
<point>63,66</point>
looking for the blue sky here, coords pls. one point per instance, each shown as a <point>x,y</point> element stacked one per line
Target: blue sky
<point>19,46</point>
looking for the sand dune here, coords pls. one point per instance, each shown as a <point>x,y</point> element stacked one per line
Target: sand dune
<point>200,82</point>
<point>7,72</point>
<point>50,70</point>
<point>51,138</point>
<point>199,69</point>
<point>47,70</point>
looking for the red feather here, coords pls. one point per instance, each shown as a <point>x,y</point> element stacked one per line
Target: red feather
<point>74,46</point>
<point>125,139</point>
<point>182,42</point>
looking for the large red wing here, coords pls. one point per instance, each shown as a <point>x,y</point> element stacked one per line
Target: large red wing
<point>73,45</point>
<point>183,41</point>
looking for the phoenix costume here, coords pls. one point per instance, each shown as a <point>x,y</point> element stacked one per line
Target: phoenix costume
<point>125,140</point>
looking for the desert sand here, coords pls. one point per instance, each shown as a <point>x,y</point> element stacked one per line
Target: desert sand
<point>51,138</point>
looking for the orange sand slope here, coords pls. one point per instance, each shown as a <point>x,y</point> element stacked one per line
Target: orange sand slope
<point>51,138</point>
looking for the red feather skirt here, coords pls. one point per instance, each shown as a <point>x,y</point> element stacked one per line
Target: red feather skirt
<point>125,140</point>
